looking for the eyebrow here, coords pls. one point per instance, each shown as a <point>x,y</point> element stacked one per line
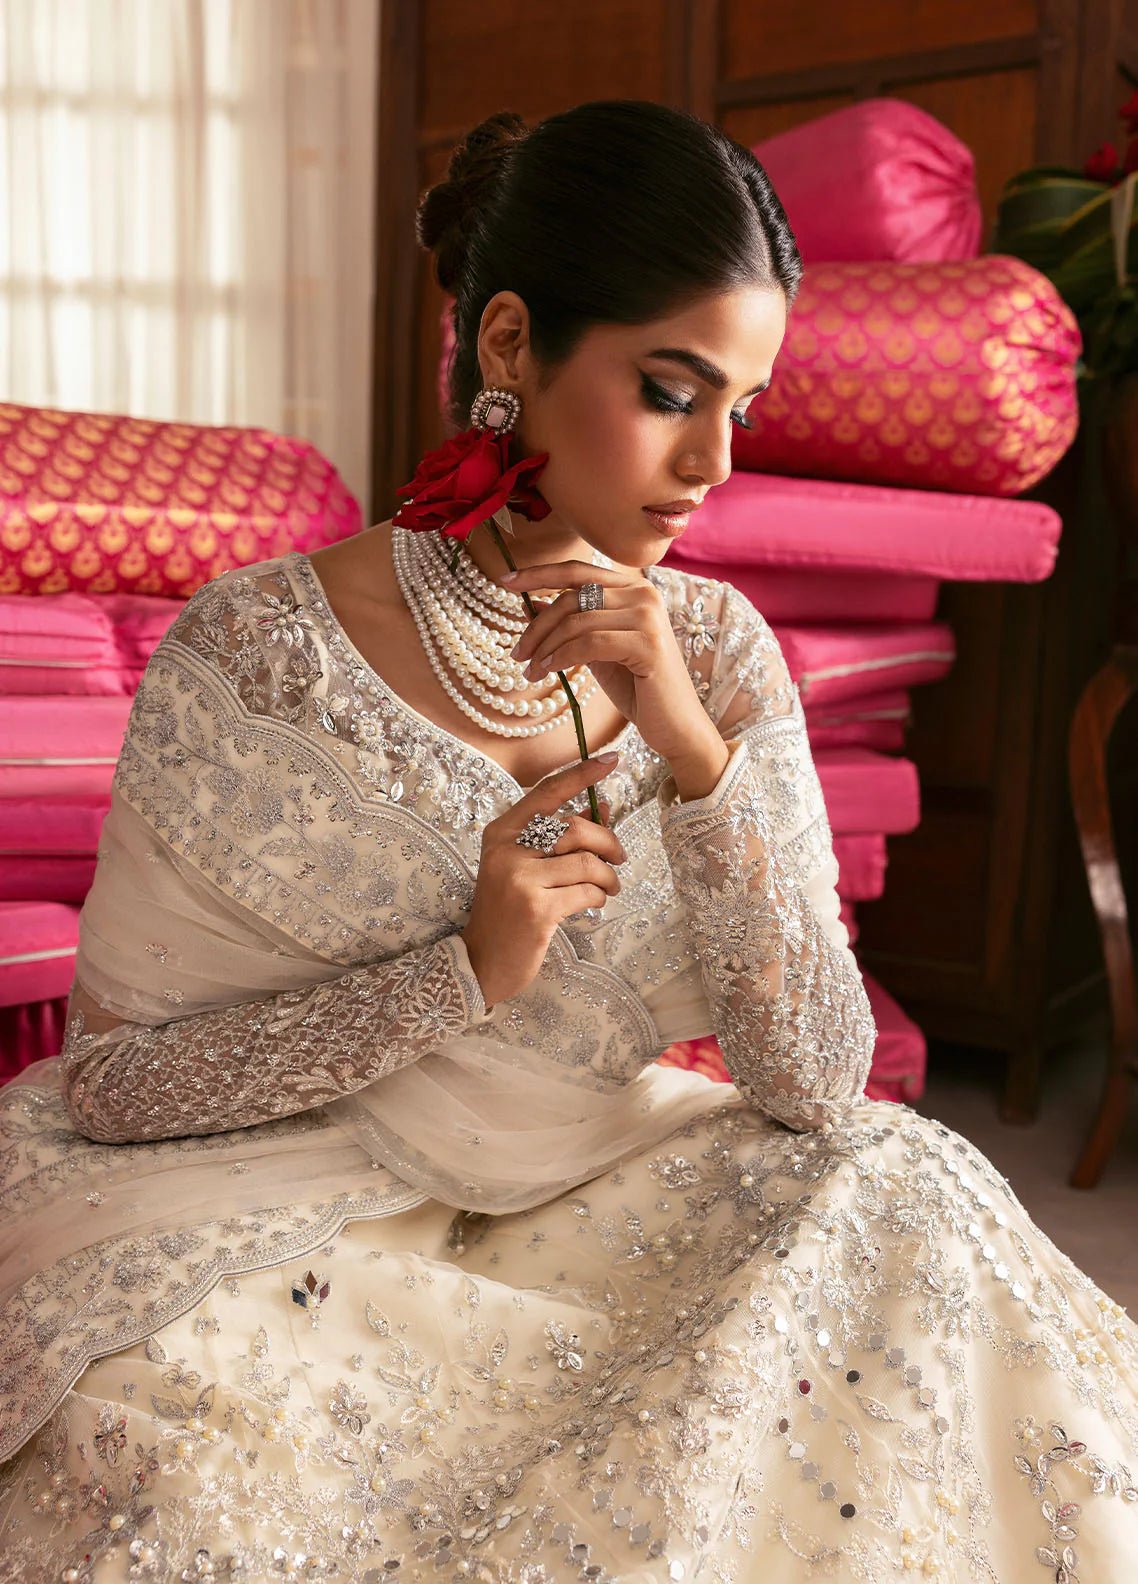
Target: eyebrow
<point>710,373</point>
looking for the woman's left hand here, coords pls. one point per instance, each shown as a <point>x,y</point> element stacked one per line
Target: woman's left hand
<point>630,648</point>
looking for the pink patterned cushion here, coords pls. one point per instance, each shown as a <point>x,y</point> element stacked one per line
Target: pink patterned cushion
<point>879,179</point>
<point>105,504</point>
<point>956,376</point>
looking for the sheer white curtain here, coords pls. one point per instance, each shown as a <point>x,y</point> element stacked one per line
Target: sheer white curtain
<point>186,212</point>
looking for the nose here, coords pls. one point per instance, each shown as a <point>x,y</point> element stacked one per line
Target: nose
<point>710,464</point>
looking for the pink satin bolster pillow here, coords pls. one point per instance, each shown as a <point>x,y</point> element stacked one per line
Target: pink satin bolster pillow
<point>957,376</point>
<point>880,179</point>
<point>111,504</point>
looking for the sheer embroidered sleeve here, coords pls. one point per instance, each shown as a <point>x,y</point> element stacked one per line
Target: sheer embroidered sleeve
<point>754,864</point>
<point>216,986</point>
<point>243,1064</point>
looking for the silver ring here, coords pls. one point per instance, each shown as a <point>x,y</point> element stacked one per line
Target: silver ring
<point>590,596</point>
<point>542,831</point>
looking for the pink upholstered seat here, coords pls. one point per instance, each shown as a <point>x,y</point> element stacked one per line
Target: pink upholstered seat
<point>60,746</point>
<point>74,643</point>
<point>807,551</point>
<point>867,792</point>
<point>875,720</point>
<point>862,862</point>
<point>834,664</point>
<point>37,950</point>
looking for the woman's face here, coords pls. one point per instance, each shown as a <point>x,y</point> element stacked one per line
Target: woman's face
<point>639,416</point>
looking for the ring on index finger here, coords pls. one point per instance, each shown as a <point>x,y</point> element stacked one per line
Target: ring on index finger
<point>590,597</point>
<point>542,832</point>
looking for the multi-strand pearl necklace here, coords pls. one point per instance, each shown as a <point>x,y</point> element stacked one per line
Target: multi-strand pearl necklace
<point>469,624</point>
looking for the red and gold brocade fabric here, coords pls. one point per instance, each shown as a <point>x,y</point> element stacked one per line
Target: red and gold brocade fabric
<point>109,504</point>
<point>955,376</point>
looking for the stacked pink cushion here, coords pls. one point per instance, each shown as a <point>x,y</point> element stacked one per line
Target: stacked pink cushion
<point>69,667</point>
<point>109,522</point>
<point>910,362</point>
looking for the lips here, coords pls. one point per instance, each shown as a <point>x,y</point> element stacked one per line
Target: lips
<point>675,508</point>
<point>671,523</point>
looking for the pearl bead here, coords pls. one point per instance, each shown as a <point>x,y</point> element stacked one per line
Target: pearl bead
<point>450,611</point>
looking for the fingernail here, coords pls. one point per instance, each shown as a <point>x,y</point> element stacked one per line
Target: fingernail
<point>508,577</point>
<point>607,758</point>
<point>514,650</point>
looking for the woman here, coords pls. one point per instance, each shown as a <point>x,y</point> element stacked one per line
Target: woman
<point>356,1233</point>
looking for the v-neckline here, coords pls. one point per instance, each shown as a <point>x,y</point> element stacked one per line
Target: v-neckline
<point>302,560</point>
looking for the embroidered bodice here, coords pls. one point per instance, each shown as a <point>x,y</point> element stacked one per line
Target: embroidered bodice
<point>269,759</point>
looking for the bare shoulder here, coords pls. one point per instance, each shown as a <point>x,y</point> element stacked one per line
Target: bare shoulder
<point>358,572</point>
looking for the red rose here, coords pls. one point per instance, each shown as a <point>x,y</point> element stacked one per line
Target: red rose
<point>1129,112</point>
<point>464,481</point>
<point>1103,164</point>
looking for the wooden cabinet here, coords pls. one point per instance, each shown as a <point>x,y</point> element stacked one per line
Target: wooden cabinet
<point>985,933</point>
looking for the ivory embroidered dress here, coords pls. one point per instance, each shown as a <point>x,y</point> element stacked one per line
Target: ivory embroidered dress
<point>385,1285</point>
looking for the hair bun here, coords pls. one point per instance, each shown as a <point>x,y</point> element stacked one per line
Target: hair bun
<point>448,211</point>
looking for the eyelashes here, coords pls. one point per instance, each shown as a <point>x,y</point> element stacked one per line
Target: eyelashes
<point>661,400</point>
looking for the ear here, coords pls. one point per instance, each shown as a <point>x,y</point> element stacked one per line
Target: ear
<point>503,340</point>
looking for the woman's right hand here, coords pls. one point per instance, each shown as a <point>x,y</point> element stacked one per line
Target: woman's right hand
<point>521,896</point>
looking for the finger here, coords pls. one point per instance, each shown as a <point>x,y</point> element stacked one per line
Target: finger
<point>612,646</point>
<point>579,868</point>
<point>568,574</point>
<point>563,619</point>
<point>576,898</point>
<point>555,789</point>
<point>585,834</point>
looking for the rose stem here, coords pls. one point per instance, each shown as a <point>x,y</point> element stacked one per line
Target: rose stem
<point>575,708</point>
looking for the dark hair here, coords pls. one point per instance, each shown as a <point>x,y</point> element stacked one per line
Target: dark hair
<point>615,212</point>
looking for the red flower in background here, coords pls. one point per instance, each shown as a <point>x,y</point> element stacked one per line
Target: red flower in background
<point>1103,164</point>
<point>464,481</point>
<point>1130,158</point>
<point>1129,112</point>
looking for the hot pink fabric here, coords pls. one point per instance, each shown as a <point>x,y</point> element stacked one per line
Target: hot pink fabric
<point>867,792</point>
<point>861,867</point>
<point>29,1032</point>
<point>764,520</point>
<point>887,736</point>
<point>835,663</point>
<point>943,376</point>
<point>879,179</point>
<point>43,826</point>
<point>59,746</point>
<point>105,504</point>
<point>79,644</point>
<point>50,877</point>
<point>37,950</point>
<point>873,720</point>
<point>900,1055</point>
<point>812,594</point>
